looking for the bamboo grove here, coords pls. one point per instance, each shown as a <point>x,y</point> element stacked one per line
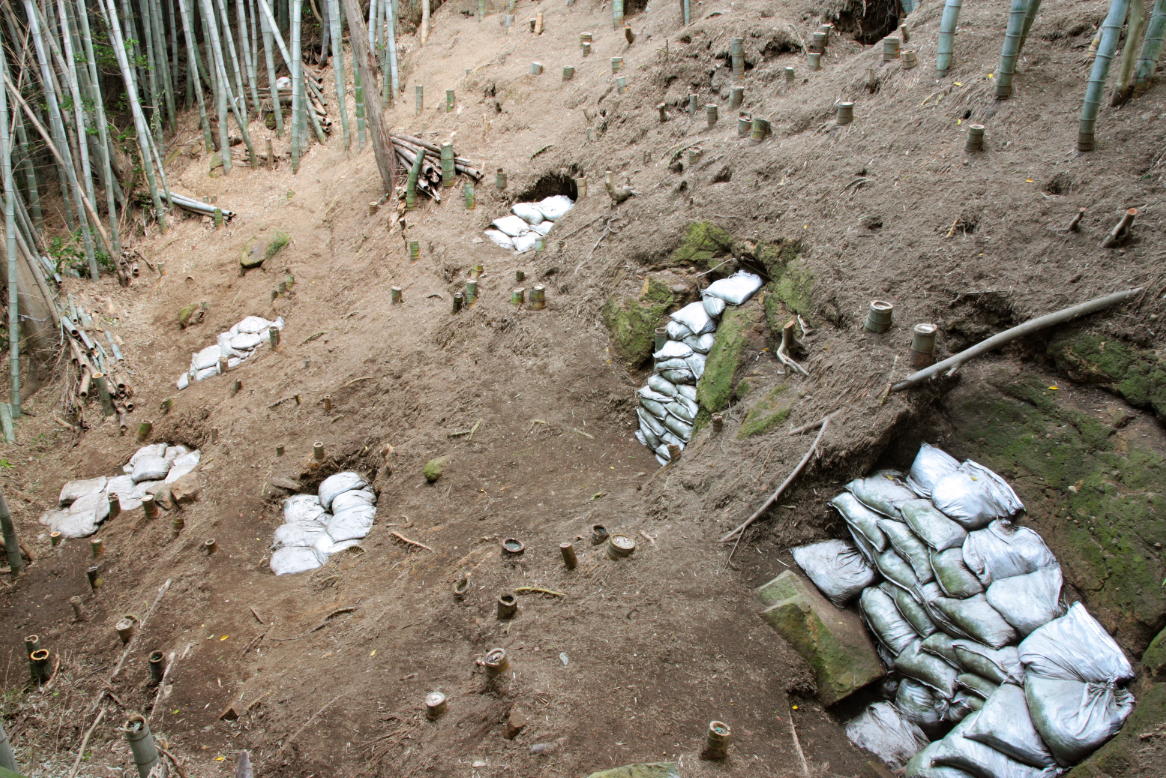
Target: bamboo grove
<point>93,91</point>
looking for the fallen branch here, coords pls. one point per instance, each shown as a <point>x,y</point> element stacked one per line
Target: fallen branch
<point>85,742</point>
<point>330,616</point>
<point>812,425</point>
<point>255,613</point>
<point>1009,335</point>
<point>773,498</point>
<point>793,730</point>
<point>537,590</point>
<point>307,724</point>
<point>406,541</point>
<point>172,758</point>
<point>254,641</point>
<point>1121,231</point>
<point>141,628</point>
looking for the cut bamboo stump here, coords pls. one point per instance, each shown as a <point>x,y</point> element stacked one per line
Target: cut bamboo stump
<point>1121,230</point>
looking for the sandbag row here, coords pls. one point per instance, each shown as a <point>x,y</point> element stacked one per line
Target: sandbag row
<point>337,517</point>
<point>966,609</point>
<point>668,405</point>
<point>234,345</point>
<point>528,223</point>
<point>83,505</point>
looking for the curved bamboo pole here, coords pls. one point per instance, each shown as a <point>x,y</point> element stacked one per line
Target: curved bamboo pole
<point>1011,50</point>
<point>1110,32</point>
<point>1151,49</point>
<point>1029,18</point>
<point>946,42</point>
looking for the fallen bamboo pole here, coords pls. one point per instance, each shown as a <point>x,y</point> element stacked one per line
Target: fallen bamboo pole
<point>1048,320</point>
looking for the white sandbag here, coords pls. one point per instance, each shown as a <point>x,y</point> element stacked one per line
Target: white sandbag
<point>927,669</point>
<point>244,342</point>
<point>909,547</point>
<point>353,498</point>
<point>713,306</point>
<point>687,392</point>
<point>973,496</point>
<point>183,381</point>
<point>353,524</point>
<point>183,465</point>
<point>919,704</point>
<point>1028,602</point>
<point>1075,647</point>
<point>998,665</point>
<point>527,241</point>
<point>223,341</point>
<point>701,344</point>
<point>695,318</point>
<point>648,393</point>
<point>942,645</point>
<point>650,421</point>
<point>257,325</point>
<point>542,228</point>
<point>153,450</point>
<point>882,492</point>
<point>672,349</point>
<point>174,452</point>
<point>962,705</point>
<point>671,364</point>
<point>123,487</point>
<point>337,484</point>
<point>735,289</point>
<point>953,575</point>
<point>512,226</point>
<point>206,373</point>
<point>861,519</point>
<point>896,569</point>
<point>554,207</point>
<point>678,377</point>
<point>1075,718</point>
<point>696,364</point>
<point>933,528</point>
<point>682,409</point>
<point>288,561</point>
<point>75,490</point>
<point>884,620</point>
<point>836,568</point>
<point>643,440</point>
<point>1005,725</point>
<point>929,466</point>
<point>882,730</point>
<point>143,488</point>
<point>1003,550</point>
<point>977,685</point>
<point>500,238</point>
<point>978,619</point>
<point>928,595</point>
<point>302,534</point>
<point>302,508</point>
<point>528,212</point>
<point>679,428</point>
<point>661,385</point>
<point>913,611</point>
<point>677,331</point>
<point>150,469</point>
<point>654,407</point>
<point>84,516</point>
<point>922,766</point>
<point>980,760</point>
<point>208,357</point>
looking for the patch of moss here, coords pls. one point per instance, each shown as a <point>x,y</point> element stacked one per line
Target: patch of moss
<point>1137,375</point>
<point>1099,501</point>
<point>715,387</point>
<point>434,468</point>
<point>276,245</point>
<point>769,412</point>
<point>632,326</point>
<point>1124,754</point>
<point>795,288</point>
<point>742,388</point>
<point>703,243</point>
<point>655,291</point>
<point>1154,660</point>
<point>776,256</point>
<point>184,315</point>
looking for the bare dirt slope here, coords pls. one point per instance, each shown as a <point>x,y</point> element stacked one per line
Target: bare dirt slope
<point>636,657</point>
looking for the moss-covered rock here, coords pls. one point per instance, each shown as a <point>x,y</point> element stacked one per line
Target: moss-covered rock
<point>656,291</point>
<point>652,770</point>
<point>795,288</point>
<point>1138,375</point>
<point>1097,499</point>
<point>1127,754</point>
<point>632,324</point>
<point>769,412</point>
<point>1154,660</point>
<point>188,315</point>
<point>831,640</point>
<point>434,468</point>
<point>704,243</point>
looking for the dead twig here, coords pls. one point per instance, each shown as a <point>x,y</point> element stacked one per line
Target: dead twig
<point>793,730</point>
<point>537,590</point>
<point>355,380</point>
<point>253,643</point>
<point>1120,231</point>
<point>406,541</point>
<point>740,531</point>
<point>812,425</point>
<point>1076,220</point>
<point>255,613</point>
<point>173,759</point>
<point>154,715</point>
<point>85,742</point>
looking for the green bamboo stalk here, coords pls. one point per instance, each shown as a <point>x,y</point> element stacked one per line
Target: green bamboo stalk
<point>220,96</point>
<point>13,292</point>
<point>1029,18</point>
<point>297,79</point>
<point>133,39</point>
<point>238,96</point>
<point>156,99</point>
<point>192,65</point>
<point>1110,32</point>
<point>253,19</point>
<point>248,63</point>
<point>7,759</point>
<point>270,57</point>
<point>159,31</point>
<point>1151,49</point>
<point>102,127</point>
<point>140,127</point>
<point>358,87</point>
<point>11,543</point>
<point>945,44</point>
<point>29,168</point>
<point>391,31</point>
<point>1129,55</point>
<point>1011,50</point>
<point>172,27</point>
<point>338,70</point>
<point>236,103</point>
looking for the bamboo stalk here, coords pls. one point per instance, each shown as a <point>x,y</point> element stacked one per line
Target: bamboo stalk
<point>10,249</point>
<point>270,59</point>
<point>1110,32</point>
<point>297,78</point>
<point>239,93</point>
<point>338,69</point>
<point>1129,55</point>
<point>358,88</point>
<point>1151,48</point>
<point>102,127</point>
<point>248,62</point>
<point>945,44</point>
<point>193,65</point>
<point>1029,18</point>
<point>391,51</point>
<point>1011,50</point>
<point>382,148</point>
<point>159,31</point>
<point>11,544</point>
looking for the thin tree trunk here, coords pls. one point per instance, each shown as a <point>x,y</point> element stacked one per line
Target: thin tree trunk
<point>367,67</point>
<point>11,544</point>
<point>271,79</point>
<point>424,21</point>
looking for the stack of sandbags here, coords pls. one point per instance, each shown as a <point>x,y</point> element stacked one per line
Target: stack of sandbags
<point>84,505</point>
<point>962,585</point>
<point>668,403</point>
<point>316,526</point>
<point>235,345</point>
<point>529,222</point>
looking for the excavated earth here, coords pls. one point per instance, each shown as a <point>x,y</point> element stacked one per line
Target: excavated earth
<point>628,661</point>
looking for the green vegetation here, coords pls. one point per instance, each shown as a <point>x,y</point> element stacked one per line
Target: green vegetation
<point>1138,375</point>
<point>632,322</point>
<point>704,244</point>
<point>68,256</point>
<point>434,468</point>
<point>715,388</point>
<point>769,412</point>
<point>276,245</point>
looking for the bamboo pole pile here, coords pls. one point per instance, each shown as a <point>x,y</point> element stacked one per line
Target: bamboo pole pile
<point>96,357</point>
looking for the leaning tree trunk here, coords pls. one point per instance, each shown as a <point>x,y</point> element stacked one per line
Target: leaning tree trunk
<point>1151,49</point>
<point>1095,90</point>
<point>366,65</point>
